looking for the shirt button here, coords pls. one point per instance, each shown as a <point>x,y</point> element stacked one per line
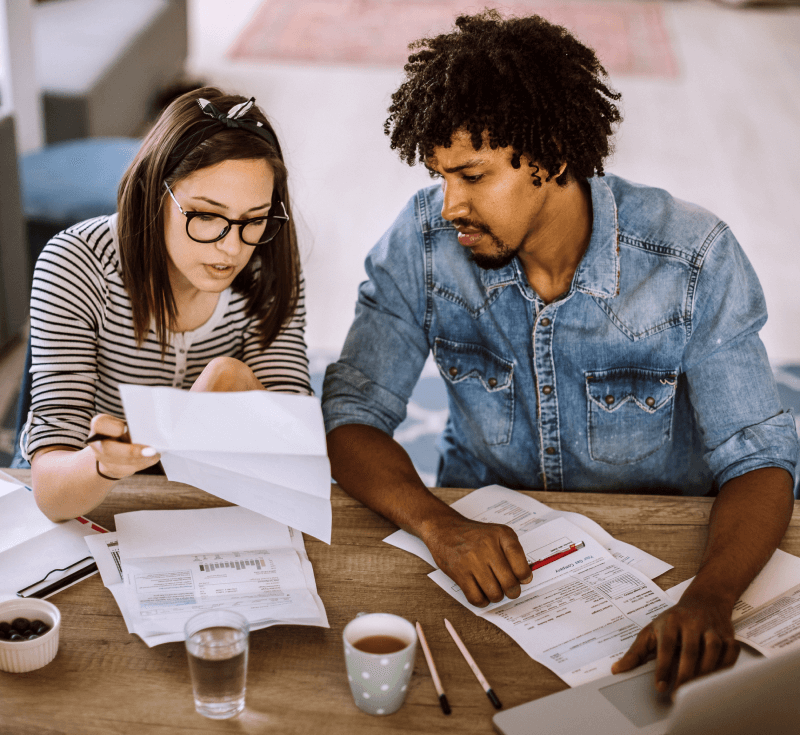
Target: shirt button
<point>547,390</point>
<point>180,372</point>
<point>183,352</point>
<point>609,400</point>
<point>550,450</point>
<point>492,382</point>
<point>650,401</point>
<point>453,371</point>
<point>545,322</point>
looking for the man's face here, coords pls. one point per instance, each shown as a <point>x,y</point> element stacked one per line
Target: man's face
<point>496,208</point>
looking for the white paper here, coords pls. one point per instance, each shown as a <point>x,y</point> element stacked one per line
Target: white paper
<point>579,613</point>
<point>259,584</point>
<point>584,620</point>
<point>194,560</point>
<point>31,545</point>
<point>773,628</point>
<point>496,504</point>
<point>262,450</point>
<point>146,534</point>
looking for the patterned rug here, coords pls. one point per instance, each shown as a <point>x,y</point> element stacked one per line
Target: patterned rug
<point>629,37</point>
<point>427,412</point>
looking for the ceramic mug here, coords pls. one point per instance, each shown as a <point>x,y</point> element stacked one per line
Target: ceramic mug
<point>379,681</point>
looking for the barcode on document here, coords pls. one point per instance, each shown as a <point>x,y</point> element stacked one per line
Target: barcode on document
<point>115,557</point>
<point>238,564</point>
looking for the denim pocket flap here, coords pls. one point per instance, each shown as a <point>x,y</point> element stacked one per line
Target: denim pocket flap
<point>460,361</point>
<point>648,389</point>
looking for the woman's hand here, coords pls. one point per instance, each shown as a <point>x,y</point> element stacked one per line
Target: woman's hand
<point>117,457</point>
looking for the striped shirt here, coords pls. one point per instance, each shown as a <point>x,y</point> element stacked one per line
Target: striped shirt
<point>83,343</point>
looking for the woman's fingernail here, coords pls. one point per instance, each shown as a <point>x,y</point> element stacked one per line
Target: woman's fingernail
<point>149,452</point>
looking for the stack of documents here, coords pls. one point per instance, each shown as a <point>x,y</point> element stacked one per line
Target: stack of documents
<point>259,449</point>
<point>583,609</point>
<point>164,566</point>
<point>591,594</point>
<point>38,557</point>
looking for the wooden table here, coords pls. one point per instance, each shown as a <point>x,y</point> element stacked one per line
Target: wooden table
<point>105,680</point>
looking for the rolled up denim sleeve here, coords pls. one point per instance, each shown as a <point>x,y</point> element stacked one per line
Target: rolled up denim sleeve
<point>387,345</point>
<point>731,385</point>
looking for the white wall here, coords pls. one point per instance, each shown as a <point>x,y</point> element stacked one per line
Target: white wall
<point>18,85</point>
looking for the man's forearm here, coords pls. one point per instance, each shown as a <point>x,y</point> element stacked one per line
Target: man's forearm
<point>375,469</point>
<point>748,521</point>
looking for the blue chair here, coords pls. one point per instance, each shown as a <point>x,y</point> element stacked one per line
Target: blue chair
<point>68,182</point>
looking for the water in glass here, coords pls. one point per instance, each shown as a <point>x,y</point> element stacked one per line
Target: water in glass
<point>218,664</point>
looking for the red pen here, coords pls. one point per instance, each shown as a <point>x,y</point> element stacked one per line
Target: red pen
<point>555,557</point>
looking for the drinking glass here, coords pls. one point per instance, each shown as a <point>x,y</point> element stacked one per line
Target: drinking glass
<point>217,645</point>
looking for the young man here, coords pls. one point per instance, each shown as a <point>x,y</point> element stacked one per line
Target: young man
<point>593,334</point>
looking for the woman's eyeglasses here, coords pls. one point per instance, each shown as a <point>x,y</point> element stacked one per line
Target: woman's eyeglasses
<point>210,227</point>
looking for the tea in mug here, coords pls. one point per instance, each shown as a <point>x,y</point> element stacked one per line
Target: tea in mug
<point>380,644</point>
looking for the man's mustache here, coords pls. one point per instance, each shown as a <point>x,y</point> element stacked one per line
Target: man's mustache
<point>469,224</point>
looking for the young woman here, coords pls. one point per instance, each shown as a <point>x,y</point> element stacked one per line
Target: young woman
<point>195,283</point>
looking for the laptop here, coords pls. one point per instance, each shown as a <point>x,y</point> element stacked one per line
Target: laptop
<point>757,695</point>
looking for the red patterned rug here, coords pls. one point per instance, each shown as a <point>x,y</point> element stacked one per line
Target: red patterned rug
<point>629,37</point>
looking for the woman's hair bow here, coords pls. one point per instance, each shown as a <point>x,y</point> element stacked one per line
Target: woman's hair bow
<point>203,129</point>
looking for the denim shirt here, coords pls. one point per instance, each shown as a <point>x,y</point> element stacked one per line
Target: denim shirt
<point>647,375</point>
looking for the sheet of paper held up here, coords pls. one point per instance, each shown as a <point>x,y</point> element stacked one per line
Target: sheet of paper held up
<point>164,566</point>
<point>767,615</point>
<point>259,449</point>
<point>496,504</point>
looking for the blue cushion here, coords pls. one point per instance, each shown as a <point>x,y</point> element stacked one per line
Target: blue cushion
<point>75,180</point>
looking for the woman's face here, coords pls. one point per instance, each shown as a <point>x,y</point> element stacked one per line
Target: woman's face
<point>235,189</point>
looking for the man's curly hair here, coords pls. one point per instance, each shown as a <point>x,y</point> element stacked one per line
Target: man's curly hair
<point>529,84</point>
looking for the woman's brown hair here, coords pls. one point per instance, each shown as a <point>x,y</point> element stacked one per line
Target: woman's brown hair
<point>270,280</point>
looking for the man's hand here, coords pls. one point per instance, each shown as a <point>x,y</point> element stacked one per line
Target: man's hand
<point>693,638</point>
<point>484,559</point>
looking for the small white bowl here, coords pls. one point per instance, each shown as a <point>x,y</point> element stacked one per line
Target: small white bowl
<point>20,656</point>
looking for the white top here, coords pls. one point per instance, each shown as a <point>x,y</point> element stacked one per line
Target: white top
<point>84,346</point>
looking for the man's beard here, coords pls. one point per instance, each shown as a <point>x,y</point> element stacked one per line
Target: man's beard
<point>503,253</point>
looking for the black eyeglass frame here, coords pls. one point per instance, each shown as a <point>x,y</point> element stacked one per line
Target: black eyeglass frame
<point>282,219</point>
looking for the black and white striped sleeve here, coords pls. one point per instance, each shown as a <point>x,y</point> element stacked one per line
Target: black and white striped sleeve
<point>67,303</point>
<point>283,366</point>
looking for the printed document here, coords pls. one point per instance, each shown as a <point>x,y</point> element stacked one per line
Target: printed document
<point>496,504</point>
<point>767,615</point>
<point>590,594</point>
<point>262,450</point>
<point>165,566</point>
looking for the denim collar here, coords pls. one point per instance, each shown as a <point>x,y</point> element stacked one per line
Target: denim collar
<point>598,272</point>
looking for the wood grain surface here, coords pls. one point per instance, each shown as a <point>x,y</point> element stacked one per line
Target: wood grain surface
<point>105,680</point>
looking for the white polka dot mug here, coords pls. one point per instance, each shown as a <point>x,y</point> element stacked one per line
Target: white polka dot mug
<point>379,651</point>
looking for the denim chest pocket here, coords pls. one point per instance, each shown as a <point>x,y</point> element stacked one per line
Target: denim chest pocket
<point>629,413</point>
<point>480,384</point>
